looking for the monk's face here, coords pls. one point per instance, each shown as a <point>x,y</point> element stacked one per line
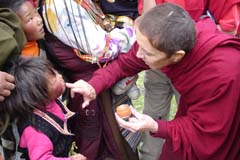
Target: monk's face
<point>154,58</point>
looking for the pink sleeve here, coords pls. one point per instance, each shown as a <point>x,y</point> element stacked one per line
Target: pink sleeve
<point>38,144</point>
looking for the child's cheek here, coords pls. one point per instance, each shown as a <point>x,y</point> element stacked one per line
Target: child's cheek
<point>57,91</point>
<point>60,89</point>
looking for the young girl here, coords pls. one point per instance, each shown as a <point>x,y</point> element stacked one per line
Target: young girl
<point>32,26</point>
<point>41,119</point>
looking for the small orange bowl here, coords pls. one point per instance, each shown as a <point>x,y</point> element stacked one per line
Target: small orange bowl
<point>123,111</point>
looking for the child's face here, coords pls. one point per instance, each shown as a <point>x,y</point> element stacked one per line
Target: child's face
<point>31,22</point>
<point>56,85</point>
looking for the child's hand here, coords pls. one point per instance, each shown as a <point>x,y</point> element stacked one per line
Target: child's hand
<point>78,157</point>
<point>6,85</point>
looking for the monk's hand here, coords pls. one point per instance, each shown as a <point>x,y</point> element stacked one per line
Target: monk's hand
<point>6,85</point>
<point>78,157</point>
<point>83,88</point>
<point>138,122</point>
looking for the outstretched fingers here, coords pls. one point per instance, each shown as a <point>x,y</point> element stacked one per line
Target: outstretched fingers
<point>83,88</point>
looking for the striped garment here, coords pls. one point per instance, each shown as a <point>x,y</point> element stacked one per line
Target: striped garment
<point>80,25</point>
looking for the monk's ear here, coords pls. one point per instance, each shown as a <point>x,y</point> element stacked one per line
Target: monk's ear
<point>178,56</point>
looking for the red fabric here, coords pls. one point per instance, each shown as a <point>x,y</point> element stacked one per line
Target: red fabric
<point>238,32</point>
<point>115,71</point>
<point>208,114</point>
<point>219,8</point>
<point>194,7</point>
<point>224,12</point>
<point>207,123</point>
<point>230,21</point>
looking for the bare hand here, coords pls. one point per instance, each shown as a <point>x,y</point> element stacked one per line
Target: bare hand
<point>78,157</point>
<point>6,85</point>
<point>138,122</point>
<point>83,88</point>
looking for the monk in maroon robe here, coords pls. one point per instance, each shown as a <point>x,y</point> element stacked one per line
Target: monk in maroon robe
<point>202,64</point>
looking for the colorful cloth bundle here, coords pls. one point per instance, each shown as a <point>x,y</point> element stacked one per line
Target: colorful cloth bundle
<point>80,25</point>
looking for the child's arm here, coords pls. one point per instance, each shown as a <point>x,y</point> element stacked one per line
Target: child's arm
<point>39,145</point>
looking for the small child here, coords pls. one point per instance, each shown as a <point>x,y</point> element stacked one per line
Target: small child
<point>41,119</point>
<point>32,25</point>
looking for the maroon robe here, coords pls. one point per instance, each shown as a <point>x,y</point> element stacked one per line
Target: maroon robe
<point>207,123</point>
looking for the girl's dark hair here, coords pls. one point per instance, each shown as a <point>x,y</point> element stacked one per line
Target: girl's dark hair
<point>31,89</point>
<point>12,4</point>
<point>169,28</point>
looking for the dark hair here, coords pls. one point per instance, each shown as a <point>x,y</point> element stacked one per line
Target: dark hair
<point>169,28</point>
<point>12,4</point>
<point>31,90</point>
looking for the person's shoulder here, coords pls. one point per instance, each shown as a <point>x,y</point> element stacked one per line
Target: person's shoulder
<point>11,24</point>
<point>12,37</point>
<point>229,56</point>
<point>9,19</point>
<point>205,24</point>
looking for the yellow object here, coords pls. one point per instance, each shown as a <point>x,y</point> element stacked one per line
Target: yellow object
<point>72,149</point>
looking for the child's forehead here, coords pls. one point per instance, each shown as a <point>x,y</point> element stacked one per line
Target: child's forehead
<point>26,5</point>
<point>51,71</point>
<point>25,8</point>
